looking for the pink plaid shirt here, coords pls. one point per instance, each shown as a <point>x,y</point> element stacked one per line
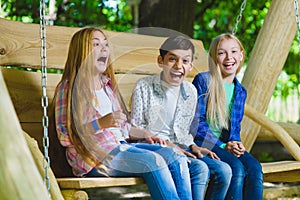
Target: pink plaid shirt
<point>105,138</point>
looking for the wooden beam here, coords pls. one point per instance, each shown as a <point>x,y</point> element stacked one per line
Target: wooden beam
<point>19,177</point>
<point>266,62</point>
<point>291,128</point>
<point>285,139</point>
<point>39,161</point>
<point>96,182</point>
<point>130,52</point>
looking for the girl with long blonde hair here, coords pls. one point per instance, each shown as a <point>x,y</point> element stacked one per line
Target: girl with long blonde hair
<point>217,122</point>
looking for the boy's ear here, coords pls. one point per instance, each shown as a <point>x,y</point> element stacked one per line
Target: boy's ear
<point>160,60</point>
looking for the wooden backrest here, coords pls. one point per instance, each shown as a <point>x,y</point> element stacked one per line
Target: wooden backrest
<point>133,56</point>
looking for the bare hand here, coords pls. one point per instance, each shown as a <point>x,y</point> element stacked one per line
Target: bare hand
<point>114,119</point>
<point>236,148</point>
<point>200,152</point>
<point>138,134</point>
<point>180,149</point>
<point>153,139</point>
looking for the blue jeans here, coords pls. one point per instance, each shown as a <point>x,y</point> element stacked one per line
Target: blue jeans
<point>220,176</point>
<point>247,176</point>
<point>164,170</point>
<point>178,166</point>
<point>199,173</point>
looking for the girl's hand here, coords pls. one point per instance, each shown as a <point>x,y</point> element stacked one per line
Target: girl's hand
<point>236,148</point>
<point>114,119</point>
<point>153,139</point>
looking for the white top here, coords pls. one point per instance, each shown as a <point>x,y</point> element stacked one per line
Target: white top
<point>104,108</point>
<point>165,120</point>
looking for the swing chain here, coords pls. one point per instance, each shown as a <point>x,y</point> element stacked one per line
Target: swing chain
<point>44,99</point>
<point>298,21</point>
<point>239,17</point>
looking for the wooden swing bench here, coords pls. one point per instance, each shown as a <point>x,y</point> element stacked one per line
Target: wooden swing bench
<point>133,56</point>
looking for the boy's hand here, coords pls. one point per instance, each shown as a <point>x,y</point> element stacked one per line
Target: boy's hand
<point>171,144</point>
<point>199,151</point>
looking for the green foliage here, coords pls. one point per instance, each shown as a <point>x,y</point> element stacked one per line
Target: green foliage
<point>215,17</point>
<point>110,15</point>
<point>265,157</point>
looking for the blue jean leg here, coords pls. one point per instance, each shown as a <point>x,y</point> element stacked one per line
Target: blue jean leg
<point>235,190</point>
<point>253,184</point>
<point>247,178</point>
<point>199,173</point>
<point>220,177</point>
<point>132,161</point>
<point>178,166</point>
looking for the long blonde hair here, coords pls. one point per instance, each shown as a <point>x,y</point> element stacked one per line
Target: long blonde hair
<point>79,73</point>
<point>216,105</point>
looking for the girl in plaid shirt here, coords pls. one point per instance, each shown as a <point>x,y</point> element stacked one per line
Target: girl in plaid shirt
<point>217,122</point>
<point>91,122</point>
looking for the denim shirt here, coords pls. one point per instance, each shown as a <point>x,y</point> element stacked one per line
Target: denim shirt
<point>200,129</point>
<point>147,100</point>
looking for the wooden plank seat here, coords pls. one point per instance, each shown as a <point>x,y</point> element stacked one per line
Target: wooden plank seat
<point>90,182</point>
<point>133,57</point>
<point>282,170</point>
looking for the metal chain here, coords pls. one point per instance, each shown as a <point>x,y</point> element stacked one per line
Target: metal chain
<point>44,99</point>
<point>239,17</point>
<point>298,21</point>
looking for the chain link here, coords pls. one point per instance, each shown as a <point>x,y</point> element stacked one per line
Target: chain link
<point>239,17</point>
<point>44,99</point>
<point>298,22</point>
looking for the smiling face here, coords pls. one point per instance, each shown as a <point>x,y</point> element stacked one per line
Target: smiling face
<point>101,52</point>
<point>176,65</point>
<point>229,58</point>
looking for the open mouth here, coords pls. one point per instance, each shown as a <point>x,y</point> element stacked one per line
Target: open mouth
<point>176,74</point>
<point>228,65</point>
<point>102,59</point>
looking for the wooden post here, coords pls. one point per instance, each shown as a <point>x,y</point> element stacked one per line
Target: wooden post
<point>38,158</point>
<point>266,62</point>
<point>19,177</point>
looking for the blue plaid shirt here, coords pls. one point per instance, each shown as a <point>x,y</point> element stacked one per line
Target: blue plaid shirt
<point>199,127</point>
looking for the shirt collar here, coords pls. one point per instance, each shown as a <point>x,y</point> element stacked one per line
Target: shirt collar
<point>157,87</point>
<point>105,79</point>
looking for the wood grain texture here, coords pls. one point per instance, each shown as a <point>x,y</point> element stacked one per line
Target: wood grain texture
<point>83,183</point>
<point>130,52</point>
<point>19,176</point>
<point>266,62</point>
<point>286,140</point>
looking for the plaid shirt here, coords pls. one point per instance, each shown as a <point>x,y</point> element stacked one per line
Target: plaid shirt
<point>200,128</point>
<point>147,101</point>
<point>105,138</point>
